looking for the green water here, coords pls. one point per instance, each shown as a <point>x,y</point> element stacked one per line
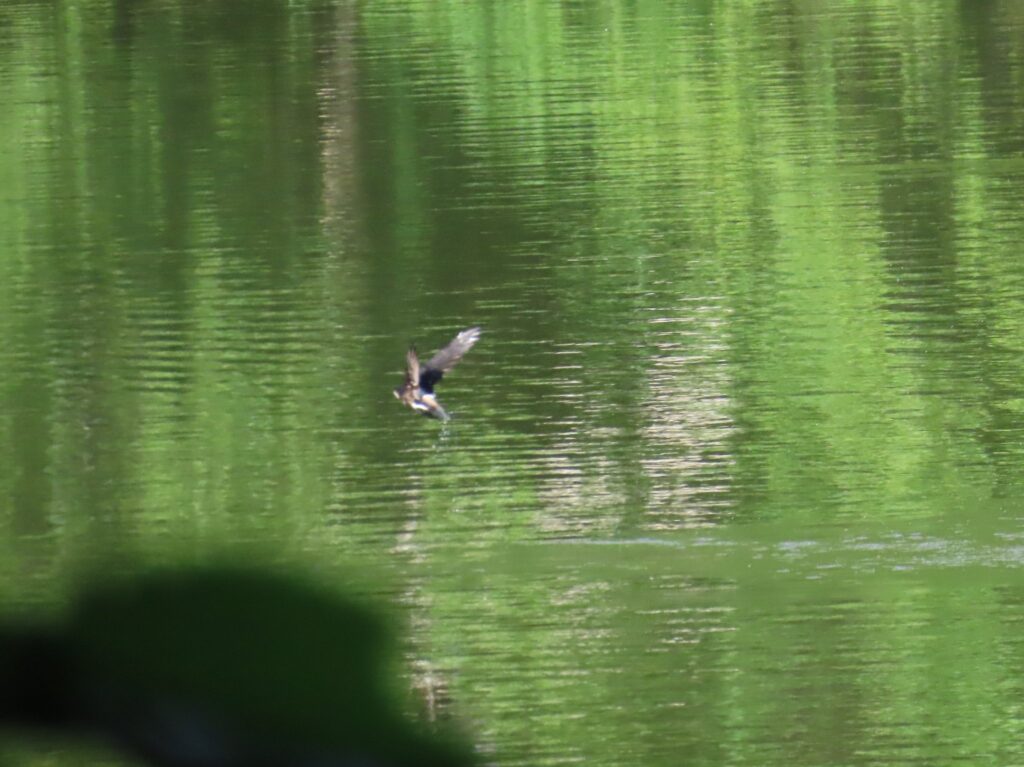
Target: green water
<point>734,475</point>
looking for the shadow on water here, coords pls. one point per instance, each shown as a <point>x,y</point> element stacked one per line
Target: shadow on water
<point>219,666</point>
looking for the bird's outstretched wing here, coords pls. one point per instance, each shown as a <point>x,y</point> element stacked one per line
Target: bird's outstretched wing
<point>447,358</point>
<point>412,368</point>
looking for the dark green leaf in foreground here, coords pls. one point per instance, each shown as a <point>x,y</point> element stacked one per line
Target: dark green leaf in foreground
<point>221,667</point>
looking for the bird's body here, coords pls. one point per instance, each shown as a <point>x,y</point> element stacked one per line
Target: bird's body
<point>417,390</point>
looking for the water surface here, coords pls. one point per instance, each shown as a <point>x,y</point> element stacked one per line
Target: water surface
<point>734,474</point>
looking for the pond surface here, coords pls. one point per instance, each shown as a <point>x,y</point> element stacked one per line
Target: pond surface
<point>735,472</point>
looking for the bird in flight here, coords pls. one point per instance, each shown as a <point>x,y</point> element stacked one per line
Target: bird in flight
<point>417,391</point>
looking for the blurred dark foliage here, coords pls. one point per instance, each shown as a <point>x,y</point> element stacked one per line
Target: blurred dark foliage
<point>216,667</point>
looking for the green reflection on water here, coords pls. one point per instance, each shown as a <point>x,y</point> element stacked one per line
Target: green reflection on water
<point>746,273</point>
